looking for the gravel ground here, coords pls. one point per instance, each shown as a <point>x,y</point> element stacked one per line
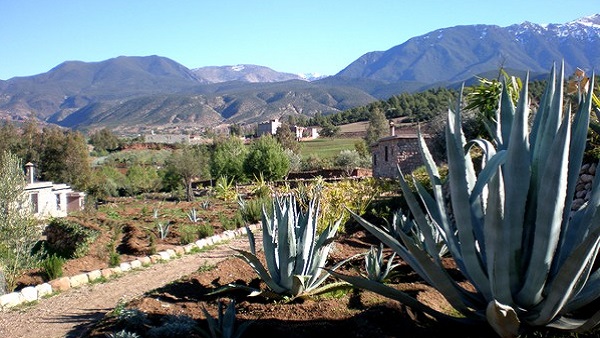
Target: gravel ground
<point>70,313</point>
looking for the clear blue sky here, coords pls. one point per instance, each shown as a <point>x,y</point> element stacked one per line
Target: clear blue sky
<point>319,36</point>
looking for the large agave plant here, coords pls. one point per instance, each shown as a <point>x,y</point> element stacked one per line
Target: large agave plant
<point>513,235</point>
<point>294,253</point>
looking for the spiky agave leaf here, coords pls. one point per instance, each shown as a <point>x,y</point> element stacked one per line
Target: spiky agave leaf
<point>294,254</point>
<point>513,234</point>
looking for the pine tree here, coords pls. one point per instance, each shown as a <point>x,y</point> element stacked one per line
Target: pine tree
<point>378,126</point>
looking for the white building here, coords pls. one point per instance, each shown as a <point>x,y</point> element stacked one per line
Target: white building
<point>49,199</point>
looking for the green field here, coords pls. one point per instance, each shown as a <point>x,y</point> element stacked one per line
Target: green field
<point>326,147</point>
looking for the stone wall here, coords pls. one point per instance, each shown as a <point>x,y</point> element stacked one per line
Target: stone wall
<point>391,152</point>
<point>584,185</point>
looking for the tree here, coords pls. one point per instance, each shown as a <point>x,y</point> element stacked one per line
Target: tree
<point>9,137</point>
<point>30,142</point>
<point>142,179</point>
<point>189,163</point>
<point>104,140</point>
<point>106,181</point>
<point>484,100</point>
<point>362,148</point>
<point>378,126</point>
<point>267,157</point>
<point>329,130</point>
<point>348,160</point>
<point>287,138</point>
<point>64,158</point>
<point>228,159</point>
<point>18,231</point>
<point>235,129</point>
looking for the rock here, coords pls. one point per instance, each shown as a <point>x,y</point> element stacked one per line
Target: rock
<point>43,290</point>
<point>107,273</point>
<point>164,255</point>
<point>585,168</point>
<point>201,243</point>
<point>580,194</point>
<point>125,267</point>
<point>188,248</point>
<point>586,178</point>
<point>135,264</point>
<point>145,260</point>
<point>60,284</point>
<point>592,170</point>
<point>29,294</point>
<point>577,203</point>
<point>155,258</point>
<point>11,299</point>
<point>94,275</point>
<point>588,186</point>
<point>179,251</point>
<point>79,280</point>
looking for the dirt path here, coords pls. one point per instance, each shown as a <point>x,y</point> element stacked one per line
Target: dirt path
<point>70,313</point>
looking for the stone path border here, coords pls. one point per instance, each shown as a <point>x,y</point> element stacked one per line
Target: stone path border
<point>34,293</point>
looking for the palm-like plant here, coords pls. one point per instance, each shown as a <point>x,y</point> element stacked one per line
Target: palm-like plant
<point>514,237</point>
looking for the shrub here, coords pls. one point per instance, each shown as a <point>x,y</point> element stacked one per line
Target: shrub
<point>348,160</point>
<point>114,259</point>
<point>69,238</point>
<point>188,233</point>
<point>225,189</point>
<point>19,233</point>
<point>338,197</point>
<point>266,156</point>
<point>251,210</point>
<point>205,230</point>
<point>53,266</point>
<point>228,159</point>
<point>231,223</point>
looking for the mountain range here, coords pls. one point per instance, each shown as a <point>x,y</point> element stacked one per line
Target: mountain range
<point>131,93</point>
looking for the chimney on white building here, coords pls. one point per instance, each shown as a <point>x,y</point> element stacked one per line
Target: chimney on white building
<point>392,128</point>
<point>30,172</point>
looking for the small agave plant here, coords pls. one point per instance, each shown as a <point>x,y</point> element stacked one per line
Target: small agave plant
<point>376,267</point>
<point>530,259</point>
<point>224,325</point>
<point>432,243</point>
<point>294,253</point>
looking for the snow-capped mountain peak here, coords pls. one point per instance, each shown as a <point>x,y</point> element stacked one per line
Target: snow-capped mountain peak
<point>592,21</point>
<point>311,76</point>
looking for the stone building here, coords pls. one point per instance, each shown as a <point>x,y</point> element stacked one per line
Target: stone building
<point>395,150</point>
<point>49,199</point>
<point>268,127</point>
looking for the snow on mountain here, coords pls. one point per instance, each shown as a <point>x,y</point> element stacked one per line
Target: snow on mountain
<point>311,76</point>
